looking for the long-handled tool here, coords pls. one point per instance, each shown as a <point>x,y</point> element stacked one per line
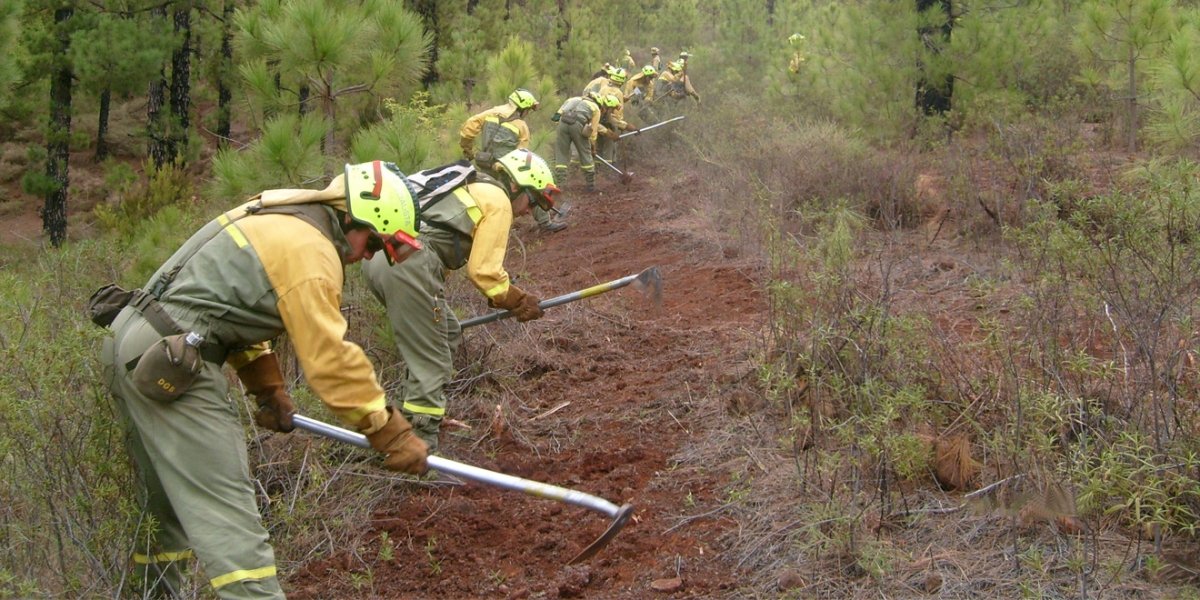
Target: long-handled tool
<point>626,177</point>
<point>649,127</point>
<point>648,281</point>
<point>620,514</point>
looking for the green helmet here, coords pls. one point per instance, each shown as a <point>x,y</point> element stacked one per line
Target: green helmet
<point>649,71</point>
<point>378,196</point>
<point>523,99</point>
<point>605,100</point>
<point>618,75</point>
<point>531,173</point>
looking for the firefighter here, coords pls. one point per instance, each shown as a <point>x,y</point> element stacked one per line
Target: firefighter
<point>273,265</point>
<point>465,223</point>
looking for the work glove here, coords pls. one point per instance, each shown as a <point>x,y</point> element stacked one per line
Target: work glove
<point>612,134</point>
<point>635,130</point>
<point>523,306</point>
<point>264,381</point>
<point>405,451</point>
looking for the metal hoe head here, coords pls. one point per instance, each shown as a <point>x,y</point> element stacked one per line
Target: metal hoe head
<point>623,515</point>
<point>649,282</point>
<point>626,176</point>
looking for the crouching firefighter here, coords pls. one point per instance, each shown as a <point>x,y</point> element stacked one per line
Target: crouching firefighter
<point>465,220</point>
<point>270,266</point>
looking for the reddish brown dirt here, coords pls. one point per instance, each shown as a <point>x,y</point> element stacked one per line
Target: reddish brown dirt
<point>633,375</point>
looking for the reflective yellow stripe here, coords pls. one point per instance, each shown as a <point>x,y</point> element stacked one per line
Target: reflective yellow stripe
<point>244,574</point>
<point>424,410</point>
<point>143,559</point>
<point>356,416</point>
<point>472,207</point>
<point>511,127</point>
<point>233,231</point>
<point>496,291</point>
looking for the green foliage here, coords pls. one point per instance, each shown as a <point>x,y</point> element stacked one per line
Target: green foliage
<point>288,154</point>
<point>337,52</point>
<point>862,68</point>
<point>120,54</point>
<point>1115,40</point>
<point>65,484</point>
<point>514,68</point>
<point>415,136</point>
<point>11,51</point>
<point>133,201</point>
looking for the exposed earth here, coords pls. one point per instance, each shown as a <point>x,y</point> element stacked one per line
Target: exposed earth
<point>615,390</point>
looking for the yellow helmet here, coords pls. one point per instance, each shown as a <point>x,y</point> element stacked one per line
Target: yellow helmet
<point>523,99</point>
<point>378,196</point>
<point>675,66</point>
<point>649,71</point>
<point>532,174</point>
<point>618,75</point>
<point>654,51</point>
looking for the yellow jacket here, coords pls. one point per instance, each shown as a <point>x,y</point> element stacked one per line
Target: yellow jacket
<point>306,273</point>
<point>474,125</point>
<point>646,84</point>
<point>485,265</point>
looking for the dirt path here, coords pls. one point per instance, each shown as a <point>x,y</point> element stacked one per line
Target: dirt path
<point>641,383</point>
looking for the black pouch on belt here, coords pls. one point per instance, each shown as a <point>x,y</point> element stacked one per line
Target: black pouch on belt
<point>168,368</point>
<point>106,302</point>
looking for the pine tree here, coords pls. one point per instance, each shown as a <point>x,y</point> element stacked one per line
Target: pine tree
<point>1117,38</point>
<point>118,56</point>
<point>11,52</point>
<point>339,50</point>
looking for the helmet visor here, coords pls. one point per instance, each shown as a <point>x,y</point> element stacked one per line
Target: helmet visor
<point>544,198</point>
<point>392,246</point>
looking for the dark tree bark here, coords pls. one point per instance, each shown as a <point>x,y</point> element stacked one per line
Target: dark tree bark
<point>58,149</point>
<point>770,12</point>
<point>429,16</point>
<point>156,129</point>
<point>471,4</point>
<point>561,43</point>
<point>934,97</point>
<point>102,124</point>
<point>304,93</point>
<point>224,75</point>
<point>181,81</point>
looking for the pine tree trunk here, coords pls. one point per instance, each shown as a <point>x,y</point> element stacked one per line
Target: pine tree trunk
<point>102,124</point>
<point>935,97</point>
<point>1131,94</point>
<point>429,16</point>
<point>225,73</point>
<point>156,130</point>
<point>58,148</point>
<point>561,43</point>
<point>181,85</point>
<point>304,93</point>
<point>770,12</point>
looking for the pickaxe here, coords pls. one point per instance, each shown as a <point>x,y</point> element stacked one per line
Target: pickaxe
<point>648,281</point>
<point>620,514</point>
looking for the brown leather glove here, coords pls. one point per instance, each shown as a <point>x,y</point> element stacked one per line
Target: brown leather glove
<point>264,380</point>
<point>405,451</point>
<point>523,306</point>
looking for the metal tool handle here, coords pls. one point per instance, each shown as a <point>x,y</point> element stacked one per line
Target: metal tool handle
<point>473,473</point>
<point>555,301</point>
<point>649,127</point>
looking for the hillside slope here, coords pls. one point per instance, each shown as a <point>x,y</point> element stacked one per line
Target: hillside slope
<point>637,385</point>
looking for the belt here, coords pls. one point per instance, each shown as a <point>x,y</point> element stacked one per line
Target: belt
<point>154,313</point>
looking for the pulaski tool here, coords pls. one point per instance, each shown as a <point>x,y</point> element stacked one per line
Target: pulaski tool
<point>648,282</point>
